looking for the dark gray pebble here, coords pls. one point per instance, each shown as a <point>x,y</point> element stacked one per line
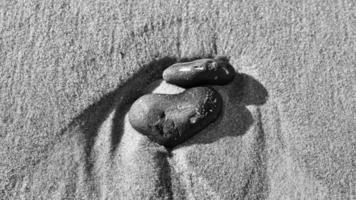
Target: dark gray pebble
<point>170,119</point>
<point>200,72</point>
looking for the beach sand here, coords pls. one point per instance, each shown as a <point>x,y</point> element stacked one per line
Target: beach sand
<point>71,69</point>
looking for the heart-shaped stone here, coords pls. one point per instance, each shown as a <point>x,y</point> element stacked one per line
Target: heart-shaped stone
<point>200,72</point>
<point>170,119</point>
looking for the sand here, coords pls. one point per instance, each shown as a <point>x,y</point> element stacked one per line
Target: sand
<point>71,69</point>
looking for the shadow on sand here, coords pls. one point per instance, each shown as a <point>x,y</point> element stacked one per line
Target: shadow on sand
<point>244,90</point>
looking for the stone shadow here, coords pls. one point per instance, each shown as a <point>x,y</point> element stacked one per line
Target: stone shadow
<point>244,90</point>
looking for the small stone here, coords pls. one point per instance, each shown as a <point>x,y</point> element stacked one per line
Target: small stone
<point>170,119</point>
<point>200,72</point>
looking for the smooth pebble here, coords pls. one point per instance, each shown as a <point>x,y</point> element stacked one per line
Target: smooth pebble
<point>170,119</point>
<point>200,72</point>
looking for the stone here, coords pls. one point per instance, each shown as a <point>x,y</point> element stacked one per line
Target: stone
<point>200,72</point>
<point>170,119</point>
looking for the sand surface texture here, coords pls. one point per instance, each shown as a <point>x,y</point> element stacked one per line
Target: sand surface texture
<point>69,71</point>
